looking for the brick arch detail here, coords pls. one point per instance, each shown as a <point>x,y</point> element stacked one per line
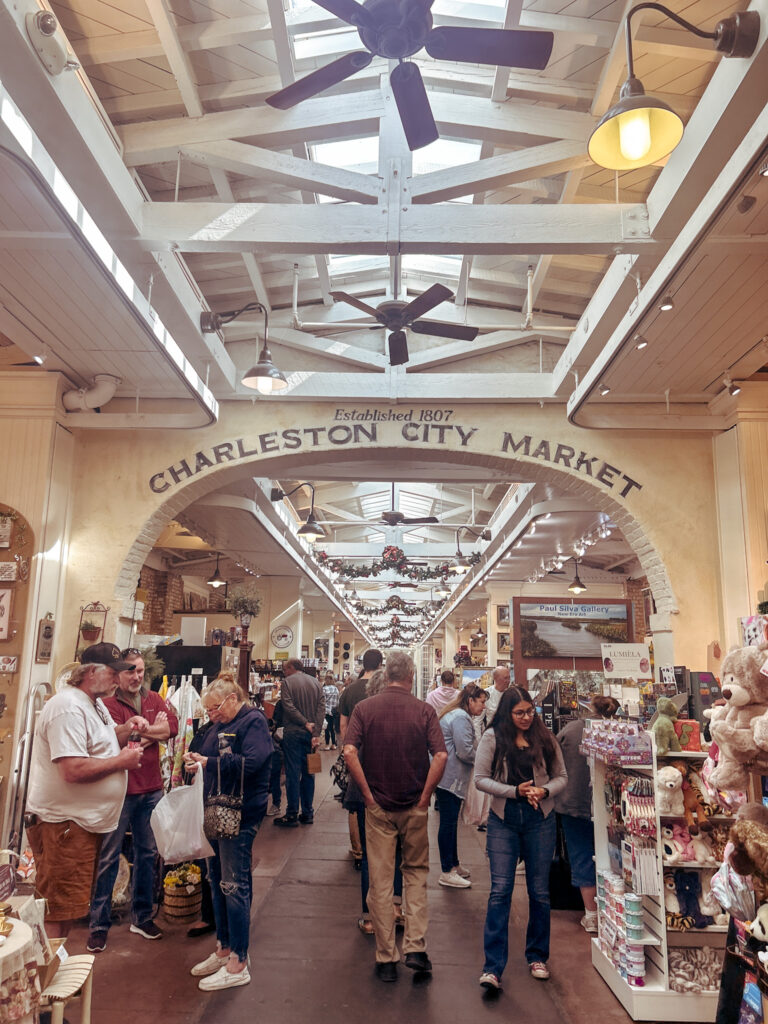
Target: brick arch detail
<point>522,469</point>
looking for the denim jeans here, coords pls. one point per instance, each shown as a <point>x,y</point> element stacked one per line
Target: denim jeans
<point>275,790</point>
<point>524,833</point>
<point>330,729</point>
<point>299,784</point>
<point>135,815</point>
<point>229,873</point>
<point>364,872</point>
<point>449,808</point>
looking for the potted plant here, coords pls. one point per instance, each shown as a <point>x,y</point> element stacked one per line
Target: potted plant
<point>245,603</point>
<point>90,631</point>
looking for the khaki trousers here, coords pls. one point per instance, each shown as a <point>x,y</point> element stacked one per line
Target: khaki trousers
<point>382,829</point>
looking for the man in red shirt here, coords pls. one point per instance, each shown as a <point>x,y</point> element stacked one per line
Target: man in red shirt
<point>158,723</point>
<point>387,748</point>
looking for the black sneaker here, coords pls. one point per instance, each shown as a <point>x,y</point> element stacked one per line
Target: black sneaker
<point>418,962</point>
<point>287,821</point>
<point>148,929</point>
<point>307,819</point>
<point>97,942</point>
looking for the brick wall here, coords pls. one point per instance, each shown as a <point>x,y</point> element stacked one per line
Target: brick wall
<point>633,590</point>
<point>165,595</point>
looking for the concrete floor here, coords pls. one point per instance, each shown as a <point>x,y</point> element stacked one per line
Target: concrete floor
<point>309,961</point>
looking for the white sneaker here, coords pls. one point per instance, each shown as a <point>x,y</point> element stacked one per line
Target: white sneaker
<point>272,810</point>
<point>210,965</point>
<point>454,880</point>
<point>488,980</point>
<point>224,979</point>
<point>462,871</point>
<point>589,921</point>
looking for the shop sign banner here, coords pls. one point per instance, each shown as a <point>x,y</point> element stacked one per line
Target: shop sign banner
<point>564,630</point>
<point>626,661</point>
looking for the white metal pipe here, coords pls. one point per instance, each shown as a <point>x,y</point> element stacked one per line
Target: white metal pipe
<point>102,391</point>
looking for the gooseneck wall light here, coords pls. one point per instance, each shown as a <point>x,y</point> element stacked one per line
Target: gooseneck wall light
<point>310,530</point>
<point>462,563</point>
<point>640,129</point>
<point>264,377</point>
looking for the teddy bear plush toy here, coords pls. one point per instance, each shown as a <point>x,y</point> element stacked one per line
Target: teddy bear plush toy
<point>669,792</point>
<point>740,727</point>
<point>664,726</point>
<point>688,891</point>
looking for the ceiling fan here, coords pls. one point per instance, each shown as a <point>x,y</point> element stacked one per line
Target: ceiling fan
<point>397,29</point>
<point>395,518</point>
<point>395,314</point>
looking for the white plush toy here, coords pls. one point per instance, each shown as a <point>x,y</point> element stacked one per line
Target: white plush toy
<point>669,791</point>
<point>758,927</point>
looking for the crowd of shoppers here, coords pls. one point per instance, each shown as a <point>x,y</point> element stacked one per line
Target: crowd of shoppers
<point>96,774</point>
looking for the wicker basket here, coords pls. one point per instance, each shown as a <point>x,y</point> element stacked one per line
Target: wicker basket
<point>182,901</point>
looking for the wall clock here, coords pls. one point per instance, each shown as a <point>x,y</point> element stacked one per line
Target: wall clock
<point>281,637</point>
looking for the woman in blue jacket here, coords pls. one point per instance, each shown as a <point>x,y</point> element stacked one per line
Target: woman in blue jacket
<point>237,747</point>
<point>459,735</point>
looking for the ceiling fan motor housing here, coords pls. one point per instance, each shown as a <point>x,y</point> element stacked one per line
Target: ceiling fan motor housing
<point>394,30</point>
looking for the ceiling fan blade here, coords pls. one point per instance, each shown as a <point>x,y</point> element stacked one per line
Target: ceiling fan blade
<point>348,10</point>
<point>438,329</point>
<point>507,47</point>
<point>422,304</point>
<point>425,520</point>
<point>413,106</point>
<point>358,304</point>
<point>320,80</point>
<point>398,350</point>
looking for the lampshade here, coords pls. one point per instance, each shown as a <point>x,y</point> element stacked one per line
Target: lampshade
<point>636,132</point>
<point>311,530</point>
<point>576,587</point>
<point>265,377</point>
<point>216,580</point>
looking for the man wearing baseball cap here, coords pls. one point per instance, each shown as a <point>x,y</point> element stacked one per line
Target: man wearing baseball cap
<point>77,784</point>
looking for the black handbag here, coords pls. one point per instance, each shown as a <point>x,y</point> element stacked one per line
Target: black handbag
<point>223,812</point>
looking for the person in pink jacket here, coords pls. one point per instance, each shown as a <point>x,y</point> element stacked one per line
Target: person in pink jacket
<point>445,693</point>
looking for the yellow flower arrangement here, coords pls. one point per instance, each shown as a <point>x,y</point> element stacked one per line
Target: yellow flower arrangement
<point>184,875</point>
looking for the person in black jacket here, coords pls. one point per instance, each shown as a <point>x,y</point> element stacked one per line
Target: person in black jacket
<point>238,750</point>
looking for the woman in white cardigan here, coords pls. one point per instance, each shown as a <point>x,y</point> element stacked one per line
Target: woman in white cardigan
<point>519,763</point>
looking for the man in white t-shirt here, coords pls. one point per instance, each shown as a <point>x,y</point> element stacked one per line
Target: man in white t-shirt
<point>501,679</point>
<point>77,784</point>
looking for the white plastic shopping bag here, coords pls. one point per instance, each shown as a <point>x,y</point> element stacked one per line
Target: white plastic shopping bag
<point>177,823</point>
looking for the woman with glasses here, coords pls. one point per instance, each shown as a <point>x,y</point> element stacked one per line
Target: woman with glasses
<point>238,749</point>
<point>519,763</point>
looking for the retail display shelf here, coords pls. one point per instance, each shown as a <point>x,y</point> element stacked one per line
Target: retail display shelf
<point>653,1001</point>
<point>690,865</point>
<point>678,755</point>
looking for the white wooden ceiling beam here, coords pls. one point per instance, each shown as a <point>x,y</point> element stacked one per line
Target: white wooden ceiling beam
<point>315,120</point>
<point>498,171</point>
<point>173,50</point>
<point>615,64</point>
<point>570,188</point>
<point>501,75</point>
<point>473,117</point>
<point>573,228</point>
<point>334,348</point>
<point>454,351</point>
<point>264,164</point>
<point>444,387</point>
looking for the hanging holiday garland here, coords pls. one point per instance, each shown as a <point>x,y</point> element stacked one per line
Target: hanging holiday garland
<point>393,559</point>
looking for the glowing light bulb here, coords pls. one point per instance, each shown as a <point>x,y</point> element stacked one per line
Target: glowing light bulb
<point>634,134</point>
<point>265,385</point>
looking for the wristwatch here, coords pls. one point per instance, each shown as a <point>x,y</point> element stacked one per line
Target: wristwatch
<point>546,792</point>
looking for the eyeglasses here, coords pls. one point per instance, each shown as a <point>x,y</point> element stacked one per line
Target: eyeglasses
<point>131,668</point>
<point>524,714</point>
<point>219,706</point>
<point>129,651</point>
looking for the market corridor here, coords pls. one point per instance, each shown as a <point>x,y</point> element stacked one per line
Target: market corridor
<point>309,961</point>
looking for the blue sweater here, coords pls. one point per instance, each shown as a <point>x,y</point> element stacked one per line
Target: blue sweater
<point>247,738</point>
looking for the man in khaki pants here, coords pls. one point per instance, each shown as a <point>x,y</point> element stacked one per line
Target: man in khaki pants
<point>387,748</point>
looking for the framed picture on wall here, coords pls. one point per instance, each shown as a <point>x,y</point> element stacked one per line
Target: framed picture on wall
<point>502,614</point>
<point>321,648</point>
<point>502,643</point>
<point>6,595</point>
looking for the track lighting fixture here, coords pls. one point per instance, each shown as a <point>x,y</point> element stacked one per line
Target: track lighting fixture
<point>640,342</point>
<point>733,389</point>
<point>666,304</point>
<point>604,390</point>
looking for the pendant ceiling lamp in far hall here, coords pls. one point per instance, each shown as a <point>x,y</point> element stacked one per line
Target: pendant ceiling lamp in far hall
<point>640,129</point>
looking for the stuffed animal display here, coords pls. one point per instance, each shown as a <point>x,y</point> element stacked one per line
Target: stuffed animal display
<point>679,846</point>
<point>695,970</point>
<point>740,727</point>
<point>758,927</point>
<point>664,726</point>
<point>688,891</point>
<point>675,918</point>
<point>669,792</point>
<point>696,807</point>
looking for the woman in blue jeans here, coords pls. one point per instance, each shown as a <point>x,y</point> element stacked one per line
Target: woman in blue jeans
<point>459,735</point>
<point>519,763</point>
<point>237,749</point>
